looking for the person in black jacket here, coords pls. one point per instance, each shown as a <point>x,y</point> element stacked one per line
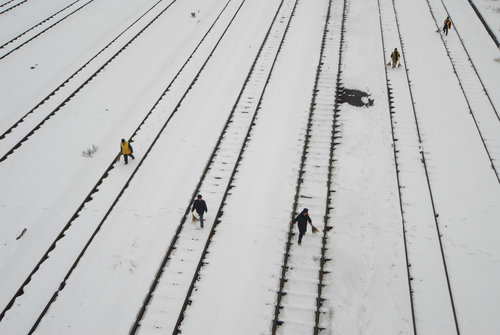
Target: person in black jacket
<point>201,207</point>
<point>302,219</point>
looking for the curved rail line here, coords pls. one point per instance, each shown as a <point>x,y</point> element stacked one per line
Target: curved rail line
<point>11,8</point>
<point>397,169</point>
<point>464,93</point>
<point>424,162</point>
<point>95,189</point>
<point>227,129</point>
<point>42,22</point>
<point>2,136</point>
<point>306,150</point>
<point>485,24</point>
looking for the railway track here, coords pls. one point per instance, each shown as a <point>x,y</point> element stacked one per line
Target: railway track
<point>87,78</point>
<point>12,7</point>
<point>403,115</point>
<point>485,24</point>
<point>14,48</point>
<point>480,105</point>
<point>216,184</point>
<point>6,3</point>
<point>179,79</point>
<point>299,297</point>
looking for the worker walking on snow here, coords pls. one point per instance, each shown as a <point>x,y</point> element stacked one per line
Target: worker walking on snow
<point>446,25</point>
<point>126,150</point>
<point>201,208</point>
<point>302,219</point>
<point>395,58</point>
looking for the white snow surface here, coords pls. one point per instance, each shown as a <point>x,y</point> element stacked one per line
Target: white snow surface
<point>407,199</point>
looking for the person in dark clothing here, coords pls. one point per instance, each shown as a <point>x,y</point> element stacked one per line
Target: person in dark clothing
<point>302,219</point>
<point>446,25</point>
<point>395,57</point>
<point>201,207</point>
<point>126,150</point>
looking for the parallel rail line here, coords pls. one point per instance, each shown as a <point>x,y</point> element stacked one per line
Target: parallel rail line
<point>11,8</point>
<point>17,145</point>
<point>307,150</point>
<point>251,121</point>
<point>73,267</point>
<point>481,135</point>
<point>485,24</point>
<point>39,24</point>
<point>95,188</point>
<point>426,170</point>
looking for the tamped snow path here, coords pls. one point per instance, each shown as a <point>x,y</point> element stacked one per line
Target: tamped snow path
<point>40,236</point>
<point>256,214</point>
<point>173,181</point>
<point>466,191</point>
<point>368,286</point>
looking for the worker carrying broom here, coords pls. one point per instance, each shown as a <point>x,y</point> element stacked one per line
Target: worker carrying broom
<point>395,58</point>
<point>126,150</point>
<point>446,25</point>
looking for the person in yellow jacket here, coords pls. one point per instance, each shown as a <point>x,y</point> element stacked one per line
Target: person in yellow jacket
<point>446,25</point>
<point>395,57</point>
<point>126,150</point>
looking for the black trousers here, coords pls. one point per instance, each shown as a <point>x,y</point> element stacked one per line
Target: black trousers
<point>125,157</point>
<point>302,232</point>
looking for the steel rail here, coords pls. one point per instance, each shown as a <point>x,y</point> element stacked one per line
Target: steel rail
<point>143,158</point>
<point>95,188</point>
<point>424,162</point>
<point>42,22</point>
<point>220,211</point>
<point>396,170</point>
<point>465,95</point>
<point>11,8</point>
<point>2,136</point>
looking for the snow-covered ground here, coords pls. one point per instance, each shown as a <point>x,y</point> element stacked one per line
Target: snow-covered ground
<point>410,183</point>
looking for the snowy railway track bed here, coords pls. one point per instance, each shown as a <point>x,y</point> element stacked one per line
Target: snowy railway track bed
<point>265,107</point>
